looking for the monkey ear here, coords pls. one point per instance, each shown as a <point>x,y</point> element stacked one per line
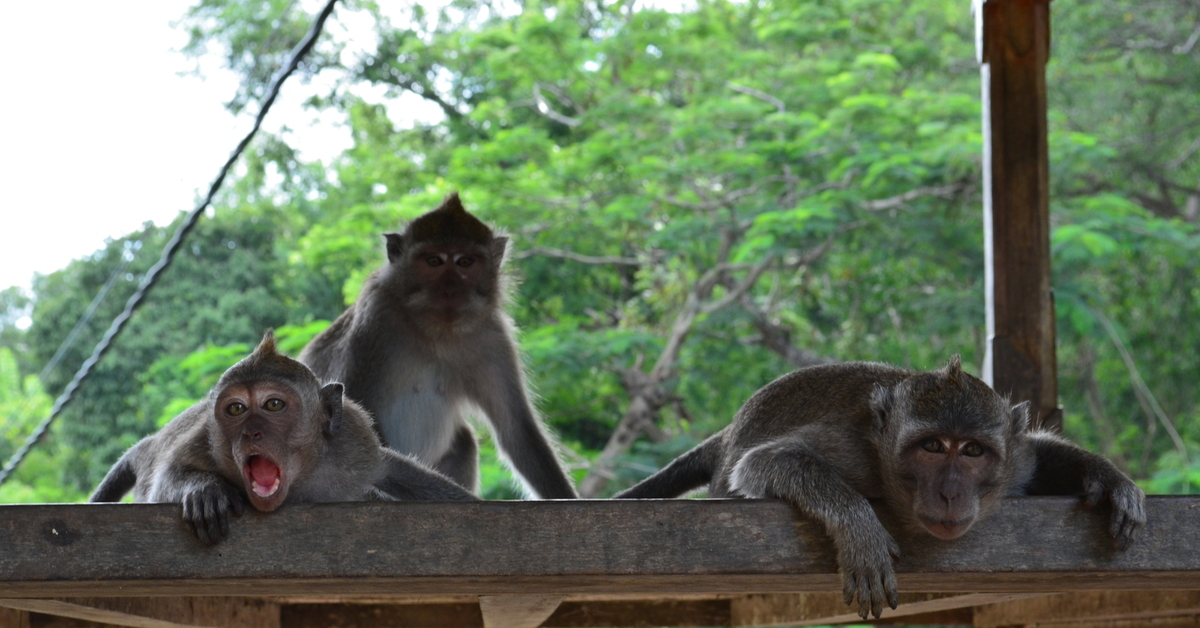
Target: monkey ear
<point>497,248</point>
<point>395,246</point>
<point>331,399</point>
<point>1020,417</point>
<point>882,400</point>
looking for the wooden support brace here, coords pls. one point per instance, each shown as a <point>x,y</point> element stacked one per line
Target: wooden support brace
<point>517,611</point>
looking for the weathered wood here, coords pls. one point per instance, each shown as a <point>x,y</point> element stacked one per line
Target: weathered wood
<point>40,620</point>
<point>1015,44</point>
<point>456,615</point>
<point>1192,621</point>
<point>162,612</point>
<point>641,614</point>
<point>819,609</point>
<point>517,611</point>
<point>13,618</point>
<point>1090,606</point>
<point>567,547</point>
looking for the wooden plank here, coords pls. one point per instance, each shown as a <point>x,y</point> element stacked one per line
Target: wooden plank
<point>39,620</point>
<point>1090,606</point>
<point>819,609</point>
<point>1014,38</point>
<point>13,618</point>
<point>568,547</point>
<point>454,615</point>
<point>1192,621</point>
<point>517,611</point>
<point>172,612</point>
<point>641,614</point>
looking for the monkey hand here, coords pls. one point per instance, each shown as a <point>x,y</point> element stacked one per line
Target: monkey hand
<point>206,510</point>
<point>865,553</point>
<point>1128,504</point>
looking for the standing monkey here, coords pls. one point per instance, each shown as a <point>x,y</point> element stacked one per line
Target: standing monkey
<point>269,433</point>
<point>940,448</point>
<point>428,340</point>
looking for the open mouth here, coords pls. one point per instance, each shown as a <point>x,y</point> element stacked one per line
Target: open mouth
<point>263,474</point>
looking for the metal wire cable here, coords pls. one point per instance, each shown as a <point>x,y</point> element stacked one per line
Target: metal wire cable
<point>172,247</point>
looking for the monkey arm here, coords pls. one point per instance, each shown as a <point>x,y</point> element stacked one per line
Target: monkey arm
<point>406,479</point>
<point>1063,468</point>
<point>501,394</point>
<point>788,468</point>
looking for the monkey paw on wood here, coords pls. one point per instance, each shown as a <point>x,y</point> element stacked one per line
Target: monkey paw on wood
<point>865,556</point>
<point>206,510</point>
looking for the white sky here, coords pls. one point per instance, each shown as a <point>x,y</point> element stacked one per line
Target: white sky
<point>99,132</point>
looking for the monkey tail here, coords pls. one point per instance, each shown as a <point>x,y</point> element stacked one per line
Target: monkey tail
<point>687,472</point>
<point>119,479</point>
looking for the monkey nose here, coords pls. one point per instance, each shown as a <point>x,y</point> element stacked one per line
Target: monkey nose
<point>256,435</point>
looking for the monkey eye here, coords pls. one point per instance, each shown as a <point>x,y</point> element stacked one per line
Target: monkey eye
<point>434,260</point>
<point>465,261</point>
<point>973,450</point>
<point>933,446</point>
<point>274,405</point>
<point>235,409</point>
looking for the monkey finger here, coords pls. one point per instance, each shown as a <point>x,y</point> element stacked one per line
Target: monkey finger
<point>223,521</point>
<point>848,590</point>
<point>864,596</point>
<point>889,586</point>
<point>237,505</point>
<point>878,592</point>
<point>894,550</point>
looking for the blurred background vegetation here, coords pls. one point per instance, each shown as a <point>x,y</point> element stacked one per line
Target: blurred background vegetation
<point>700,200</point>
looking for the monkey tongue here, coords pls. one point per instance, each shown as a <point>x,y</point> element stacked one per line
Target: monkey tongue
<point>264,476</point>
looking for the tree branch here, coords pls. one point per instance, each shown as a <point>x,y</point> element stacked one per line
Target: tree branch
<point>544,108</point>
<point>763,96</point>
<point>944,191</point>
<point>577,257</point>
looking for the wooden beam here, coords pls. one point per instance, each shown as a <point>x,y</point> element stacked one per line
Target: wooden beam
<point>517,611</point>
<point>165,612</point>
<point>1091,606</point>
<point>820,609</point>
<point>610,547</point>
<point>1014,41</point>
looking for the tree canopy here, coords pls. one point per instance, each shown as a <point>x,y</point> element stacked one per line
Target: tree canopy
<point>700,200</point>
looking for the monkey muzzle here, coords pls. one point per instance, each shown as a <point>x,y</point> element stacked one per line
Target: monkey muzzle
<point>262,475</point>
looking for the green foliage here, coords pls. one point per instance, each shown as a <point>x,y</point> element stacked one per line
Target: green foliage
<point>645,163</point>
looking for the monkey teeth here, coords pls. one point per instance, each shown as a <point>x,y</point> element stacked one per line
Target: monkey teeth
<point>264,491</point>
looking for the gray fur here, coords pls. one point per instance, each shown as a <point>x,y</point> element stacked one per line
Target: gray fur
<point>828,438</point>
<point>329,452</point>
<point>420,366</point>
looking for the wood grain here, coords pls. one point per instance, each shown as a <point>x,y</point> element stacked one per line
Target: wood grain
<point>567,547</point>
<point>1020,358</point>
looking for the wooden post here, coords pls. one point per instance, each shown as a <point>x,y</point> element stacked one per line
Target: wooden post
<point>1013,39</point>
